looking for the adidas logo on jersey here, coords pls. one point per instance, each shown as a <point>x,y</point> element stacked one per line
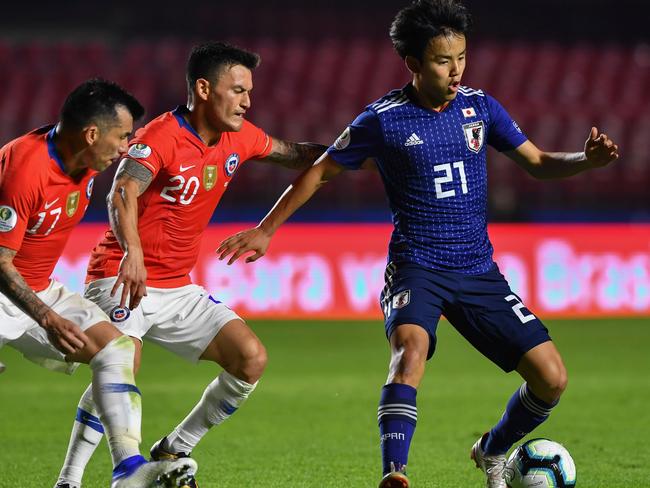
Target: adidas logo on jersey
<point>413,140</point>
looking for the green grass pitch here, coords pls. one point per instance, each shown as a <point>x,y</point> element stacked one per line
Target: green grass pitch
<point>312,420</point>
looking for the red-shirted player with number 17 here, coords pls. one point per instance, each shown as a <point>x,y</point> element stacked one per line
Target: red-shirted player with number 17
<point>164,193</point>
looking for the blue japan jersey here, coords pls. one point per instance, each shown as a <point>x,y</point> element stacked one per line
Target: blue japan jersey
<point>433,165</point>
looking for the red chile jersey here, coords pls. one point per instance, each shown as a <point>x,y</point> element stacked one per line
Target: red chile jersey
<point>39,204</point>
<point>189,180</point>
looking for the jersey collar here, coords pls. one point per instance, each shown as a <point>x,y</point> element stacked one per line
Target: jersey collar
<point>51,148</point>
<point>409,89</point>
<point>178,112</point>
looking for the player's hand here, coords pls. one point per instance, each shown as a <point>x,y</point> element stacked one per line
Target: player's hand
<point>249,240</point>
<point>66,336</point>
<point>600,150</point>
<point>133,275</point>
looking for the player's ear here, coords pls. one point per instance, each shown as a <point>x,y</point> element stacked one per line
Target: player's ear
<point>413,64</point>
<point>91,134</point>
<point>202,88</point>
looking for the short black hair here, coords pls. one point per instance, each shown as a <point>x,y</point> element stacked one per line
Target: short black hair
<point>415,25</point>
<point>207,59</point>
<point>96,100</point>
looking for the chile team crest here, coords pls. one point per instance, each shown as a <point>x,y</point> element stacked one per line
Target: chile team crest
<point>232,162</point>
<point>474,135</point>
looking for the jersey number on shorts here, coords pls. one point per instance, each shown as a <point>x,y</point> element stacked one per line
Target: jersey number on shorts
<point>518,307</point>
<point>41,217</point>
<point>448,178</point>
<point>191,185</point>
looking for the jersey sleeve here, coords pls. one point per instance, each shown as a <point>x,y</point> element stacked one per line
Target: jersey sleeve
<point>151,149</point>
<point>18,198</point>
<point>503,132</point>
<point>358,142</point>
<point>257,143</point>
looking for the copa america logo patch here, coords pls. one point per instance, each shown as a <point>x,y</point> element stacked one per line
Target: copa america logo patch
<point>402,299</point>
<point>8,218</point>
<point>231,164</point>
<point>119,314</point>
<point>89,188</point>
<point>139,151</point>
<point>344,140</point>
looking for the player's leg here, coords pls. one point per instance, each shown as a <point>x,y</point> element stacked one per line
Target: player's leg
<point>87,433</point>
<point>87,429</point>
<point>545,378</point>
<point>411,305</point>
<point>242,356</point>
<point>493,319</point>
<point>118,402</point>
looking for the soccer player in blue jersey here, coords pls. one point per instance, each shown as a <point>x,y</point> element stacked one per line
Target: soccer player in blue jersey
<point>429,141</point>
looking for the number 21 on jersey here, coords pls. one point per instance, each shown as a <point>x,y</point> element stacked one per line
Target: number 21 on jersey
<point>449,169</point>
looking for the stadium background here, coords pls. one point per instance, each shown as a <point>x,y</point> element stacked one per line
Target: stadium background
<point>573,248</point>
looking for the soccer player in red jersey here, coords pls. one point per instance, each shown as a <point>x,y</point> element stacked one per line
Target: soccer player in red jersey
<point>164,193</point>
<point>46,180</point>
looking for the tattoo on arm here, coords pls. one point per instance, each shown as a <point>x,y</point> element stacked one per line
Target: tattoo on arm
<point>295,155</point>
<point>138,172</point>
<point>14,287</point>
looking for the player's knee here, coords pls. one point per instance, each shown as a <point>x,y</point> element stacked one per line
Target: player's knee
<point>252,361</point>
<point>407,365</point>
<point>554,382</point>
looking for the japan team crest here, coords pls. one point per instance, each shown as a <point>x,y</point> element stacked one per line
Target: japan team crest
<point>402,299</point>
<point>474,135</point>
<point>209,177</point>
<point>72,204</point>
<point>231,164</point>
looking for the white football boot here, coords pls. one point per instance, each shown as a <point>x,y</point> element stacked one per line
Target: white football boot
<point>492,466</point>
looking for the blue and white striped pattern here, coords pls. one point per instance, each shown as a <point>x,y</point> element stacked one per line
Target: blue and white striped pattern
<point>398,411</point>
<point>531,403</point>
<point>395,100</point>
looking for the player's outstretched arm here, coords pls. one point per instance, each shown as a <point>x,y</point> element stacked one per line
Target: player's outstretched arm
<point>599,151</point>
<point>294,155</point>
<point>131,180</point>
<point>257,239</point>
<point>64,335</point>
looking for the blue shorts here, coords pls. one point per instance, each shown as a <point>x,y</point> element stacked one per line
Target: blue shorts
<point>482,308</point>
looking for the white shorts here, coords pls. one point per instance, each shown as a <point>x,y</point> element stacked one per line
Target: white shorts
<point>20,331</point>
<point>182,320</point>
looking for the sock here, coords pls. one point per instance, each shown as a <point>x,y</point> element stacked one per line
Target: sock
<point>87,432</point>
<point>523,414</point>
<point>220,400</point>
<point>397,416</point>
<point>117,399</point>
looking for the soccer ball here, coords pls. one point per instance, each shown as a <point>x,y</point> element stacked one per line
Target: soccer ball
<point>540,463</point>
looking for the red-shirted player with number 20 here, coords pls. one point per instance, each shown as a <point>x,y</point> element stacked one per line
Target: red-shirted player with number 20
<point>164,193</point>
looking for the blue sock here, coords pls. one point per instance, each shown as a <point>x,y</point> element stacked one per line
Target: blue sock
<point>128,466</point>
<point>523,414</point>
<point>397,416</point>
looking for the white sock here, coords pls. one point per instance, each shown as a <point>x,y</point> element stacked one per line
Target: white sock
<point>220,400</point>
<point>117,399</point>
<point>87,432</point>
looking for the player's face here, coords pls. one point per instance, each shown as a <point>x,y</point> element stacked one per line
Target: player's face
<point>229,98</point>
<point>441,69</point>
<point>111,141</point>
